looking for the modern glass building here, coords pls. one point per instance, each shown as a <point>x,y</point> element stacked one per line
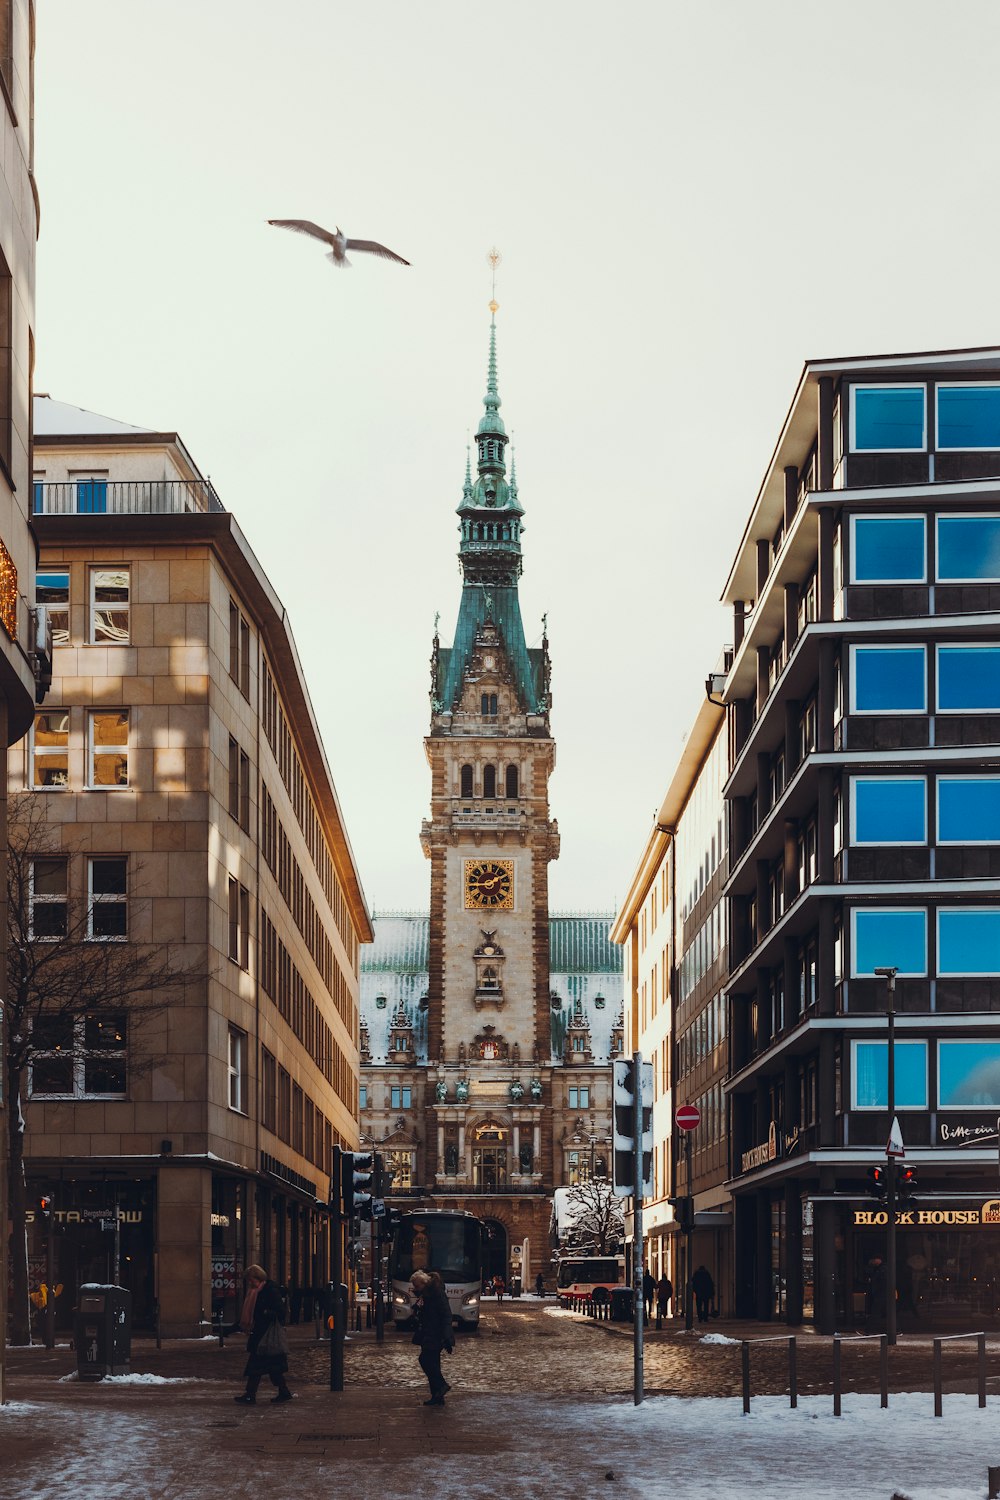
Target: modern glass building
<point>864,792</point>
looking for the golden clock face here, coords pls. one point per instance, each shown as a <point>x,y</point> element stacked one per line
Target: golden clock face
<point>489,883</point>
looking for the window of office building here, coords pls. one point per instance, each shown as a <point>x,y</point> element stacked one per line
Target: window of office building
<point>968,1075</point>
<point>871,1075</point>
<point>888,810</point>
<point>968,679</point>
<point>889,937</point>
<point>968,416</point>
<point>108,748</point>
<point>47,898</point>
<point>888,418</point>
<point>50,749</point>
<point>888,549</point>
<point>107,892</point>
<point>237,1068</point>
<point>968,549</point>
<point>888,679</point>
<point>52,591</point>
<point>109,606</point>
<point>79,1057</point>
<point>968,809</point>
<point>968,940</point>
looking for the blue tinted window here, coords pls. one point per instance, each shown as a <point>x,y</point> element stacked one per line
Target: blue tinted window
<point>968,1074</point>
<point>968,809</point>
<point>890,810</point>
<point>969,940</point>
<point>889,938</point>
<point>968,416</point>
<point>888,418</point>
<point>888,549</point>
<point>871,1075</point>
<point>888,678</point>
<point>968,547</point>
<point>968,677</point>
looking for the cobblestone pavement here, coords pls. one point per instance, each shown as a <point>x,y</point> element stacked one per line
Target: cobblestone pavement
<point>522,1388</point>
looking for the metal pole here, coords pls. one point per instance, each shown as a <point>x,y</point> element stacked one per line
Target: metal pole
<point>50,1276</point>
<point>688,1232</point>
<point>637,1245</point>
<point>336,1276</point>
<point>890,1174</point>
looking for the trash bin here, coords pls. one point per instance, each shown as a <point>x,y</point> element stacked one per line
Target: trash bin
<point>102,1331</point>
<point>621,1304</point>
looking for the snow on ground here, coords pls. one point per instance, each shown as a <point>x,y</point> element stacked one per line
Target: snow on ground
<point>670,1448</point>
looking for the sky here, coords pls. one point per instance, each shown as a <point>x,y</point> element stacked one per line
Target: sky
<point>689,201</point>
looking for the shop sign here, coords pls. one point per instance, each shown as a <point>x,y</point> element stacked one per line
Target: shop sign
<point>224,1273</point>
<point>929,1218</point>
<point>967,1132</point>
<point>760,1156</point>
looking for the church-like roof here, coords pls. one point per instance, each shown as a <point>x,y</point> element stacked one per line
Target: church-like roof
<point>585,972</point>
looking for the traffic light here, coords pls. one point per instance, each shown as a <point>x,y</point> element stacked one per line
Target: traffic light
<point>357,1170</point>
<point>906,1184</point>
<point>624,1127</point>
<point>683,1213</point>
<point>45,1207</point>
<point>877,1184</point>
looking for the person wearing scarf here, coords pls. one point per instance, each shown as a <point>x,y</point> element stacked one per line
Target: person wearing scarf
<point>262,1306</point>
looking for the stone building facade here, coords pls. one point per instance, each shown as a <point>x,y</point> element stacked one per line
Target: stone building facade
<point>488,1052</point>
<point>189,803</point>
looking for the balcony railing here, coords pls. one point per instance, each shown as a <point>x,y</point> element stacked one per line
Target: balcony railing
<point>113,497</point>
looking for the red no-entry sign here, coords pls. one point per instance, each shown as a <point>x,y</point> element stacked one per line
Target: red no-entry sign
<point>688,1116</point>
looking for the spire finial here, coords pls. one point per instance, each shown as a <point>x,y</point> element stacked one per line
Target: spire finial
<point>494,259</point>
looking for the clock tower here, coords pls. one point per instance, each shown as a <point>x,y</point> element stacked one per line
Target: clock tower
<point>489,840</point>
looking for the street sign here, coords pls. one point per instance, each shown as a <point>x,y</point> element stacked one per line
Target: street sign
<point>894,1145</point>
<point>688,1117</point>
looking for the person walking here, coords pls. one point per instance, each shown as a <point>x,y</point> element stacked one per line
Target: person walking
<point>261,1319</point>
<point>434,1331</point>
<point>664,1292</point>
<point>648,1293</point>
<point>704,1291</point>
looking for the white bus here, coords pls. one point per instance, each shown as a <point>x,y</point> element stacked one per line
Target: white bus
<point>577,1276</point>
<point>442,1240</point>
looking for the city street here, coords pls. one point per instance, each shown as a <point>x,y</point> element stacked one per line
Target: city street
<point>541,1406</point>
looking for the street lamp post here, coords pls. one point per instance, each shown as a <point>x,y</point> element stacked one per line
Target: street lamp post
<point>889,975</point>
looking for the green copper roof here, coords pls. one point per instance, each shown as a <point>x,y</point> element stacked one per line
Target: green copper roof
<point>490,557</point>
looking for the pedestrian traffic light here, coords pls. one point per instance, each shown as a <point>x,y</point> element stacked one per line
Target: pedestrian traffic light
<point>624,1127</point>
<point>45,1207</point>
<point>906,1184</point>
<point>683,1213</point>
<point>357,1169</point>
<point>877,1184</point>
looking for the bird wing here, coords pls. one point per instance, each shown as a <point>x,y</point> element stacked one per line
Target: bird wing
<point>305,226</point>
<point>374,248</point>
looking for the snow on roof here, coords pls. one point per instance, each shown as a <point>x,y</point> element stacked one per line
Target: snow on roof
<point>59,419</point>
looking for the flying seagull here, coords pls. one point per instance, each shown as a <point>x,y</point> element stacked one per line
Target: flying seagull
<point>338,242</point>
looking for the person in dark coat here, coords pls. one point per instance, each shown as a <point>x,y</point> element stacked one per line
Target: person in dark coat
<point>262,1308</point>
<point>704,1291</point>
<point>648,1292</point>
<point>664,1292</point>
<point>434,1331</point>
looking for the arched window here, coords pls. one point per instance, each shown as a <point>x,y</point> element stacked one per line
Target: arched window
<point>511,779</point>
<point>466,781</point>
<point>489,781</point>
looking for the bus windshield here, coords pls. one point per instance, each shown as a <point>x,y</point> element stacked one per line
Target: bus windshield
<point>595,1269</point>
<point>450,1246</point>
